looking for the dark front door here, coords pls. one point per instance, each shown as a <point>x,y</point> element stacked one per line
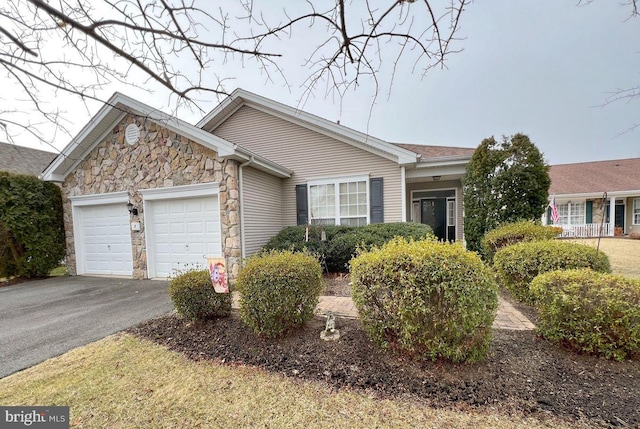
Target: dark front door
<point>619,220</point>
<point>434,214</point>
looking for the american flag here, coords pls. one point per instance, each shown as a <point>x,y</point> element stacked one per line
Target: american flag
<point>555,217</point>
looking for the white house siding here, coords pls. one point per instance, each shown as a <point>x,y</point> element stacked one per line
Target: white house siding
<point>310,155</point>
<point>261,206</point>
<point>440,185</point>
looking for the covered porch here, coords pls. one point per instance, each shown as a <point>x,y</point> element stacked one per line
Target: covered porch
<point>433,195</point>
<point>604,215</point>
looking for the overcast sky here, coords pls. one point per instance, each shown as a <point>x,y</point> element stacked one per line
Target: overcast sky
<point>543,68</point>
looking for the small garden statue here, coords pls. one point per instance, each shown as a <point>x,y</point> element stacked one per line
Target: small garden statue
<point>330,332</point>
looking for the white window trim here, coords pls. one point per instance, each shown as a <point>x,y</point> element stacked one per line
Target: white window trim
<point>336,182</point>
<point>570,205</point>
<point>455,212</point>
<point>633,213</point>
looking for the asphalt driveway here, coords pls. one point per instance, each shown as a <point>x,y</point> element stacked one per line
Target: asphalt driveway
<point>45,318</point>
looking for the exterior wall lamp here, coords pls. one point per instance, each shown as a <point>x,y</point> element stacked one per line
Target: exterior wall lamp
<point>436,178</point>
<point>132,210</point>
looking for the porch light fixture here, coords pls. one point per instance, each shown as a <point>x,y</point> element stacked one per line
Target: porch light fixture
<point>133,210</point>
<point>436,178</point>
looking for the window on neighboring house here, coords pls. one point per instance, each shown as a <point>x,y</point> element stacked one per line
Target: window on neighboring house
<point>576,213</point>
<point>571,213</point>
<point>563,213</point>
<point>636,211</point>
<point>339,202</point>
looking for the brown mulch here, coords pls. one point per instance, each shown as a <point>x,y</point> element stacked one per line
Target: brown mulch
<point>522,373</point>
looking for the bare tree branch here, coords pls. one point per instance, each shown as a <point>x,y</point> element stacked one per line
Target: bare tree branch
<point>54,49</point>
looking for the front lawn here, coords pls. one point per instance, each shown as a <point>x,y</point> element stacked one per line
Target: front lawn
<point>623,253</point>
<point>126,382</point>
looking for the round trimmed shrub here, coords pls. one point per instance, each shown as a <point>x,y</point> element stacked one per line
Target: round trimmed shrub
<point>343,247</point>
<point>335,245</point>
<point>512,233</point>
<point>194,298</point>
<point>517,265</point>
<point>279,291</point>
<point>590,312</point>
<point>425,298</point>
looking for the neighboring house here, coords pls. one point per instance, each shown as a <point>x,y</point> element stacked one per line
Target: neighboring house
<point>145,193</point>
<point>597,196</point>
<point>24,160</point>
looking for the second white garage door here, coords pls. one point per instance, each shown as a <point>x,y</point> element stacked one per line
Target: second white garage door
<point>181,232</point>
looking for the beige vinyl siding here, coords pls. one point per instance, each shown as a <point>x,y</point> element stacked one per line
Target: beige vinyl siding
<point>435,186</point>
<point>261,208</point>
<point>310,155</point>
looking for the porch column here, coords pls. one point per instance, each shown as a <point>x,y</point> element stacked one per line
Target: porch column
<point>612,216</point>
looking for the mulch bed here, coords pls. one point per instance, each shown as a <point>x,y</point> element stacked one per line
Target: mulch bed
<point>522,373</point>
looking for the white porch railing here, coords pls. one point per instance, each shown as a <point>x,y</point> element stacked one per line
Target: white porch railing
<point>586,230</point>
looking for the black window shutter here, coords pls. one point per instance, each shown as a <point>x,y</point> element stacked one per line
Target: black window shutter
<point>302,205</point>
<point>548,215</point>
<point>589,212</point>
<point>376,201</point>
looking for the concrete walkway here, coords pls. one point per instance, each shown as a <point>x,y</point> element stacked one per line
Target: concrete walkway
<point>507,317</point>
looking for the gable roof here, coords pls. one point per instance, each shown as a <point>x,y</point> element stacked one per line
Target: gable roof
<point>616,175</point>
<point>114,110</point>
<point>23,160</point>
<point>240,97</point>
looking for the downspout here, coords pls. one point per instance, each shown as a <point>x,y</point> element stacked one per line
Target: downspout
<point>403,192</point>
<point>241,197</point>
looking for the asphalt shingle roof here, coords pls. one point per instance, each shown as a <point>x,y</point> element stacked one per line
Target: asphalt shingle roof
<point>599,176</point>
<point>437,151</point>
<point>23,160</point>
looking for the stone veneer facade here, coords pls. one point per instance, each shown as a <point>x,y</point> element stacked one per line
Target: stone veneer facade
<point>160,159</point>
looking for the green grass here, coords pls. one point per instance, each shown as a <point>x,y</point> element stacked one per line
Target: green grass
<point>58,271</point>
<point>125,382</point>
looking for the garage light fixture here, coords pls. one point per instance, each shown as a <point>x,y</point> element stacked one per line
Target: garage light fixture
<point>133,210</point>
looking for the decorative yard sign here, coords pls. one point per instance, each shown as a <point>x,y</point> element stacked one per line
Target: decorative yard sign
<point>218,271</point>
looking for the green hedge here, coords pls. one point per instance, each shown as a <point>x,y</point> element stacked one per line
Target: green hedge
<point>516,266</point>
<point>31,226</point>
<point>279,291</point>
<point>341,242</point>
<point>512,233</point>
<point>425,298</point>
<point>590,312</point>
<point>194,297</point>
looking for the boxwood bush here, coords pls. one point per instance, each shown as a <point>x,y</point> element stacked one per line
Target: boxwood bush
<point>341,242</point>
<point>516,232</point>
<point>425,298</point>
<point>279,291</point>
<point>516,266</point>
<point>590,312</point>
<point>31,226</point>
<point>194,298</point>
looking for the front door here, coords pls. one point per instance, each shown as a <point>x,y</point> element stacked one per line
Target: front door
<point>619,216</point>
<point>434,214</point>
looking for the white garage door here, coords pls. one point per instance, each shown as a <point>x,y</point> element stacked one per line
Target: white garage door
<point>104,245</point>
<point>181,232</point>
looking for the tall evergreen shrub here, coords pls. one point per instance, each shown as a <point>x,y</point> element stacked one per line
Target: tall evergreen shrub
<point>31,226</point>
